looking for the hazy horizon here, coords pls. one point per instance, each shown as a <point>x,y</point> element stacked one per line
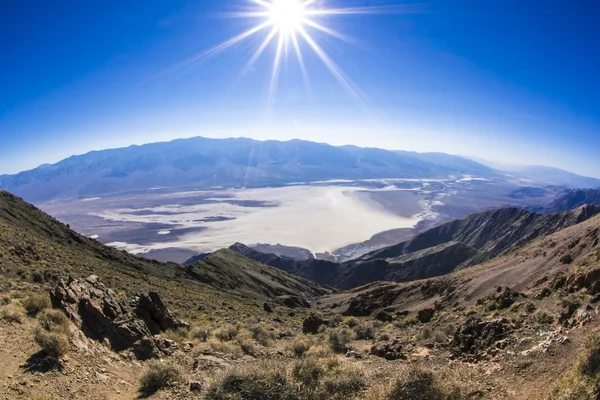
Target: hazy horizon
<point>494,163</point>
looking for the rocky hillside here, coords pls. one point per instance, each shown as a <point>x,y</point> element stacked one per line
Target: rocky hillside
<point>570,200</point>
<point>437,251</point>
<point>35,245</point>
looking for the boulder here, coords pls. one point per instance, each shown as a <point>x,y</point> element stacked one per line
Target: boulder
<point>103,316</point>
<point>292,301</point>
<point>391,350</point>
<point>425,315</point>
<point>474,335</point>
<point>383,316</point>
<point>312,323</point>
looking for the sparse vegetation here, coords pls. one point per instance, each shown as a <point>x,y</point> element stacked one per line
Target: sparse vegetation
<point>416,383</point>
<point>52,334</point>
<point>201,333</point>
<point>262,335</point>
<point>54,344</point>
<point>543,318</point>
<point>11,314</point>
<point>304,380</point>
<point>160,375</point>
<point>226,332</point>
<point>339,338</point>
<point>364,330</point>
<point>36,303</point>
<point>54,321</point>
<point>300,346</point>
<point>583,383</point>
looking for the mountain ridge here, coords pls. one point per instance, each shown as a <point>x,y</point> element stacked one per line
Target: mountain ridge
<point>437,251</point>
<point>234,162</point>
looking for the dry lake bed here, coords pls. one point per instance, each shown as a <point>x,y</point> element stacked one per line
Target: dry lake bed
<point>322,217</point>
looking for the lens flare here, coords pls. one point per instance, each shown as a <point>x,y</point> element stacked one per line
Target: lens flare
<point>296,25</point>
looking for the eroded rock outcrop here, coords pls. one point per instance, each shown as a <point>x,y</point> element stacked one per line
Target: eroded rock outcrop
<point>312,323</point>
<point>389,350</point>
<point>102,315</point>
<point>474,336</point>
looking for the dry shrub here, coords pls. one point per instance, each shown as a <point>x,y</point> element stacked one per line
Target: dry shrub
<point>54,344</point>
<point>226,332</point>
<point>216,346</point>
<point>160,375</point>
<point>36,303</point>
<point>11,314</point>
<point>300,346</point>
<point>248,346</point>
<point>351,321</point>
<point>339,338</point>
<point>52,334</point>
<point>265,381</point>
<point>318,351</point>
<point>201,333</point>
<point>364,331</point>
<point>417,383</point>
<point>262,335</point>
<point>304,380</point>
<point>54,321</point>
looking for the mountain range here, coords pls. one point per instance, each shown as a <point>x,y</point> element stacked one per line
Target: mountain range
<point>240,162</point>
<point>435,252</point>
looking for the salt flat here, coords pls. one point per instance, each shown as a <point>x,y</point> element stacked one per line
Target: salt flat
<point>319,218</point>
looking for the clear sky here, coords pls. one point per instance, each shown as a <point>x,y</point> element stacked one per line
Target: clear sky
<point>512,81</point>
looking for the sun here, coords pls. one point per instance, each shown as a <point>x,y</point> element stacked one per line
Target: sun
<point>287,16</point>
<point>293,27</point>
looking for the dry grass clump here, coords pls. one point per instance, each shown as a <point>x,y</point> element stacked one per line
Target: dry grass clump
<point>214,345</point>
<point>300,346</point>
<point>54,321</point>
<point>416,383</point>
<point>351,321</point>
<point>262,335</point>
<point>364,331</point>
<point>54,344</point>
<point>52,334</point>
<point>339,338</point>
<point>36,303</point>
<point>11,314</point>
<point>201,333</point>
<point>318,351</point>
<point>583,383</point>
<point>160,375</point>
<point>306,379</point>
<point>226,332</point>
<point>542,318</point>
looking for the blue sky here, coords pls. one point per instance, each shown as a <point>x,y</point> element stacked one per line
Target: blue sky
<point>512,81</point>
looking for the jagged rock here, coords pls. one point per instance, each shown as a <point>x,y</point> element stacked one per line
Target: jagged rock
<point>425,315</point>
<point>566,259</point>
<point>383,316</point>
<point>150,308</point>
<point>583,315</point>
<point>595,298</point>
<point>475,335</point>
<point>292,301</point>
<point>103,316</point>
<point>312,323</point>
<point>389,350</point>
<point>359,308</point>
<point>567,312</point>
